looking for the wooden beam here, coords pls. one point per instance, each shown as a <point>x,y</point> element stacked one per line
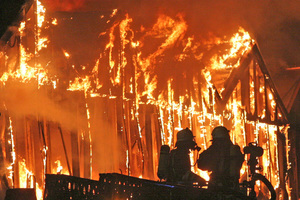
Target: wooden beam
<point>245,90</point>
<point>233,79</point>
<point>149,144</point>
<point>200,83</point>
<point>292,68</point>
<point>156,141</point>
<point>293,154</point>
<point>261,63</point>
<point>65,150</point>
<point>87,156</point>
<point>282,162</point>
<point>75,153</point>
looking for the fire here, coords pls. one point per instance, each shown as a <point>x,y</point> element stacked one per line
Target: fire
<point>25,73</point>
<point>172,31</point>
<point>54,21</point>
<point>28,73</point>
<point>26,177</point>
<point>66,54</point>
<point>241,42</point>
<point>80,84</point>
<point>59,168</point>
<point>13,153</point>
<point>40,14</point>
<point>114,12</point>
<point>27,180</point>
<point>135,59</point>
<point>41,41</point>
<point>109,47</point>
<point>204,174</point>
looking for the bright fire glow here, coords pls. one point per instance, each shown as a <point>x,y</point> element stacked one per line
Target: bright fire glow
<point>241,43</point>
<point>27,180</point>
<point>188,99</point>
<point>59,168</point>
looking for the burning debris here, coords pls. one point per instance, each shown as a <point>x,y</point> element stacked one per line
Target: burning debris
<point>104,97</point>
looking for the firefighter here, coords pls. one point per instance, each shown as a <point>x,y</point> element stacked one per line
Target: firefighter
<point>180,164</point>
<point>223,159</point>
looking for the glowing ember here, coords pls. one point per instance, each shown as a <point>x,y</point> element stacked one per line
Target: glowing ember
<point>54,21</point>
<point>80,84</point>
<point>66,54</point>
<point>60,169</point>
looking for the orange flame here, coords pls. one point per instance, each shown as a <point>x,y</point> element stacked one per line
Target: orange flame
<point>240,42</point>
<point>59,168</point>
<point>169,31</point>
<point>13,153</point>
<point>27,180</point>
<point>80,84</point>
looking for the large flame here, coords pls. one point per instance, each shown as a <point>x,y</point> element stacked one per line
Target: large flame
<point>163,65</point>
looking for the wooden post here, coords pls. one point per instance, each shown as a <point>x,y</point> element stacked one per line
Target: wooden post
<point>200,79</point>
<point>145,122</point>
<point>255,89</point>
<point>156,142</point>
<point>263,68</point>
<point>268,117</point>
<point>84,106</point>
<point>260,95</point>
<point>118,133</point>
<point>75,153</point>
<point>282,162</point>
<point>136,148</point>
<point>293,173</point>
<point>36,147</point>
<point>149,144</point>
<point>233,79</point>
<point>18,138</point>
<point>65,150</point>
<point>115,130</point>
<point>128,134</point>
<point>74,134</point>
<point>86,155</point>
<point>245,91</point>
<point>48,139</point>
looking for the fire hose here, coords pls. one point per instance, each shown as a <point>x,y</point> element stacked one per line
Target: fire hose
<point>259,177</point>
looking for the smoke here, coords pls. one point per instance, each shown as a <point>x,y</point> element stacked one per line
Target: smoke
<point>25,100</point>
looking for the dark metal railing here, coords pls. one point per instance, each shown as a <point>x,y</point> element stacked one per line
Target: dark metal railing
<point>117,186</point>
<point>63,187</point>
<point>113,186</point>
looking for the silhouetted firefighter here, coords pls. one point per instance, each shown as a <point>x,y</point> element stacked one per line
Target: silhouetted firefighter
<point>223,159</point>
<point>175,166</point>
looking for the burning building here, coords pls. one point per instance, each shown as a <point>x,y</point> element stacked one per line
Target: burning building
<point>84,93</point>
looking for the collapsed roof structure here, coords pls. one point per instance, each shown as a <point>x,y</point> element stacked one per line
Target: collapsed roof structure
<point>104,98</point>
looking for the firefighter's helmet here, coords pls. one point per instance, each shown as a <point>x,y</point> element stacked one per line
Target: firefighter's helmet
<point>220,133</point>
<point>185,135</point>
